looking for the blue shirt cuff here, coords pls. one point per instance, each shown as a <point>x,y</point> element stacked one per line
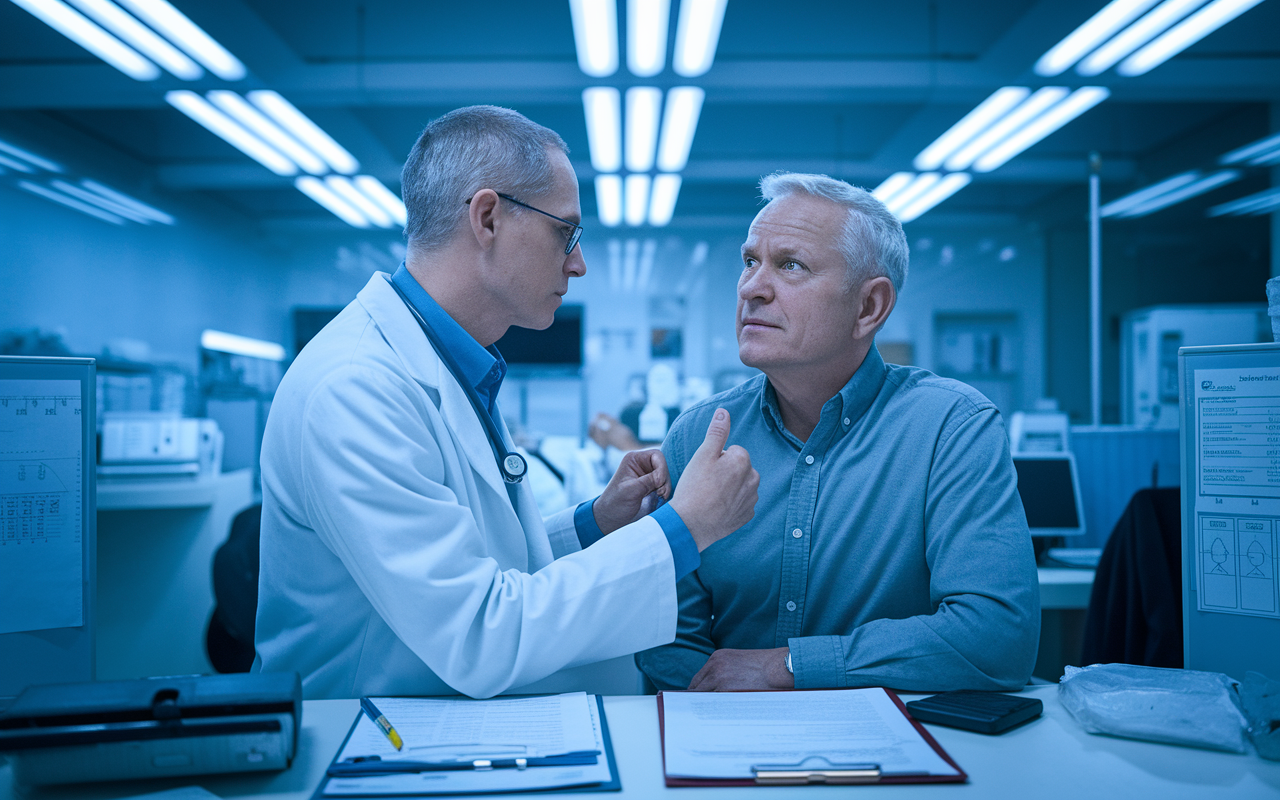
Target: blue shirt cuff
<point>818,662</point>
<point>584,523</point>
<point>684,551</point>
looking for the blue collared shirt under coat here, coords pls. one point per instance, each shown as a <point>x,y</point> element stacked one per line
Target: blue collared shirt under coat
<point>890,549</point>
<point>484,369</point>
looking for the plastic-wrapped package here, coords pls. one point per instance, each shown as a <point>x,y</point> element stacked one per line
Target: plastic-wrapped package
<point>1172,706</point>
<point>1261,700</point>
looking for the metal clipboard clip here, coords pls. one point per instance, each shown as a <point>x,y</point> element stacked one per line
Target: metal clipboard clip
<point>815,770</point>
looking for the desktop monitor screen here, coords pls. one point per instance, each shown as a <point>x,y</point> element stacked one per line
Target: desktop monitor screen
<point>559,346</point>
<point>1050,493</point>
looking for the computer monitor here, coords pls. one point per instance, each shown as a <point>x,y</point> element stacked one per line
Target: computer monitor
<point>47,521</point>
<point>1050,490</point>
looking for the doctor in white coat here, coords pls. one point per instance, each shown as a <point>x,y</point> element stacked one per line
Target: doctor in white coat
<point>395,558</point>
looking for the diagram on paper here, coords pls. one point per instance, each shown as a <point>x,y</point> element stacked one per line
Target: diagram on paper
<point>1237,565</point>
<point>41,463</point>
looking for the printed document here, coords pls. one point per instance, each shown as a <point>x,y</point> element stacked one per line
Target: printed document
<point>447,729</point>
<point>723,735</point>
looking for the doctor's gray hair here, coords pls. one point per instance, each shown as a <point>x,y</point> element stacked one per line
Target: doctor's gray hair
<point>873,243</point>
<point>464,151</point>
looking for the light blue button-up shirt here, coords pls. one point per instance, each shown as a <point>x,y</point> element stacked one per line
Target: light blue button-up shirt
<point>484,368</point>
<point>890,549</point>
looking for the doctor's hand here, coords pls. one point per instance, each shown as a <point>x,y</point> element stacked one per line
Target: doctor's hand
<point>634,490</point>
<point>738,670</point>
<point>717,493</point>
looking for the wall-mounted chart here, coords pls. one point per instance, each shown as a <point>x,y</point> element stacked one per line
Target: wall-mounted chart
<point>41,463</point>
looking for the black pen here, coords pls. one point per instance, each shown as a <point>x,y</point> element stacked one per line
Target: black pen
<point>380,720</point>
<point>374,765</point>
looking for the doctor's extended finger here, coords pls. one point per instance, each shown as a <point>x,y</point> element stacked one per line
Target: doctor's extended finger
<point>717,434</point>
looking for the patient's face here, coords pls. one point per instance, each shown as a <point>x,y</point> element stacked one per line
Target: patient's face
<point>794,309</point>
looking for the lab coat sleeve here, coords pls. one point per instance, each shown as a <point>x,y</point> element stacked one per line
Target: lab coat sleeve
<point>374,474</point>
<point>562,532</point>
<point>984,632</point>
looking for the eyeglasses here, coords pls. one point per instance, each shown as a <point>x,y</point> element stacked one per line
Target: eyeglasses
<point>573,237</point>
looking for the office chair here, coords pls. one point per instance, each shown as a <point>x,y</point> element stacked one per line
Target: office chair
<point>229,637</point>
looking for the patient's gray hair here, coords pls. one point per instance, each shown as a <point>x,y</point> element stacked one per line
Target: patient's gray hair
<point>873,243</point>
<point>464,151</point>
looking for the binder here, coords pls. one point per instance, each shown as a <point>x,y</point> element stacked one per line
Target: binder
<point>614,784</point>
<point>817,769</point>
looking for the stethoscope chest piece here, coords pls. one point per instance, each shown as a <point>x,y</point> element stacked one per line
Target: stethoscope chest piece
<point>514,468</point>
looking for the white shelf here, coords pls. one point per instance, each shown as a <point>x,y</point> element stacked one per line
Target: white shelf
<point>115,494</point>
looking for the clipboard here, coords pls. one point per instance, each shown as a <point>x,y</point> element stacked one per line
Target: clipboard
<point>807,773</point>
<point>614,785</point>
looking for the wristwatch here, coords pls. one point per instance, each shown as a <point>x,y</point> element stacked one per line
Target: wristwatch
<point>789,669</point>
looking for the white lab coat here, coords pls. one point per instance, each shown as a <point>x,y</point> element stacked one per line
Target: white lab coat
<point>393,562</point>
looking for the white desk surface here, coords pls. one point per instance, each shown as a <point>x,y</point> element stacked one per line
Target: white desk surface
<point>1050,757</point>
<point>1065,587</point>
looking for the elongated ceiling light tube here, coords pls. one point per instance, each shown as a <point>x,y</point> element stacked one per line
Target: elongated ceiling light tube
<point>1183,35</point>
<point>1096,30</point>
<point>1260,203</point>
<point>304,130</point>
<point>241,345</point>
<point>1254,150</point>
<point>892,185</point>
<point>1135,199</point>
<point>918,186</point>
<point>595,32</point>
<point>636,199</point>
<point>1080,101</point>
<point>15,164</point>
<point>32,158</point>
<point>615,264</point>
<point>609,200</point>
<point>697,36</point>
<point>662,205</point>
<point>141,38</point>
<point>644,106</point>
<point>940,191</point>
<point>384,197</point>
<point>189,36</point>
<point>70,202</point>
<point>603,107</point>
<point>1220,178</point>
<point>100,201</point>
<point>1029,109</point>
<point>200,110</point>
<point>630,264</point>
<point>127,201</point>
<point>647,36</point>
<point>344,188</point>
<point>1136,35</point>
<point>679,123</point>
<point>988,111</point>
<point>314,188</point>
<point>648,255</point>
<point>76,27</point>
<point>239,109</point>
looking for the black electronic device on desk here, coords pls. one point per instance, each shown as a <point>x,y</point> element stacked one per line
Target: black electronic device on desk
<point>982,712</point>
<point>152,728</point>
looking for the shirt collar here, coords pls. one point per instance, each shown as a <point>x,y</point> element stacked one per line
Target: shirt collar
<point>482,367</point>
<point>851,402</point>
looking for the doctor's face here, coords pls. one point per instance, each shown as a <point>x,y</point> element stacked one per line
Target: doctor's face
<point>794,306</point>
<point>536,271</point>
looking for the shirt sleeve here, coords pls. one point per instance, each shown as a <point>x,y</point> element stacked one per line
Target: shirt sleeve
<point>672,666</point>
<point>984,633</point>
<point>684,551</point>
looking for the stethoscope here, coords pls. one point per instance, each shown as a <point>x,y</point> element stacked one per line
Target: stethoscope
<point>511,465</point>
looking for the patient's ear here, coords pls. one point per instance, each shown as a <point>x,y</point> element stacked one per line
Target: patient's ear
<point>876,298</point>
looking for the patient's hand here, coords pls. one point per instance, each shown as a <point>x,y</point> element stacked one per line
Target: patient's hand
<point>735,670</point>
<point>633,492</point>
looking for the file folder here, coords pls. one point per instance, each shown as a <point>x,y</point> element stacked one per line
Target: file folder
<point>814,767</point>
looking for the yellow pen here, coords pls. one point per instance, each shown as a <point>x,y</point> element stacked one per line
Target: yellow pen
<point>380,720</point>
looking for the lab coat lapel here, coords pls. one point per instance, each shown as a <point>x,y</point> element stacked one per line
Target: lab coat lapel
<point>535,533</point>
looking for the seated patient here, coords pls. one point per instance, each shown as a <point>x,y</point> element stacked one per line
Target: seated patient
<point>889,546</point>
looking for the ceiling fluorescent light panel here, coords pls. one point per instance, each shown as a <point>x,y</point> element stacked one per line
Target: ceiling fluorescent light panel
<point>647,36</point>
<point>140,37</point>
<point>253,119</point>
<point>635,199</point>
<point>988,111</point>
<point>940,191</point>
<point>190,37</point>
<point>1079,101</point>
<point>595,32</point>
<point>609,200</point>
<point>1024,113</point>
<point>1167,199</point>
<point>1260,203</point>
<point>644,107</point>
<point>200,110</point>
<point>300,127</point>
<point>662,205</point>
<point>79,29</point>
<point>697,36</point>
<point>918,186</point>
<point>1134,199</point>
<point>603,108</point>
<point>1096,30</point>
<point>69,202</point>
<point>1136,35</point>
<point>315,188</point>
<point>127,201</point>
<point>892,185</point>
<point>101,202</point>
<point>386,199</point>
<point>679,123</point>
<point>241,345</point>
<point>31,158</point>
<point>1183,35</point>
<point>344,188</point>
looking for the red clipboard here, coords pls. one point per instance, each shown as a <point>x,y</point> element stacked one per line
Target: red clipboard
<point>959,777</point>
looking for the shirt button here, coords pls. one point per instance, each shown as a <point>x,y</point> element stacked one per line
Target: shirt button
<point>797,533</point>
<point>846,420</point>
<point>808,459</point>
<point>791,605</point>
